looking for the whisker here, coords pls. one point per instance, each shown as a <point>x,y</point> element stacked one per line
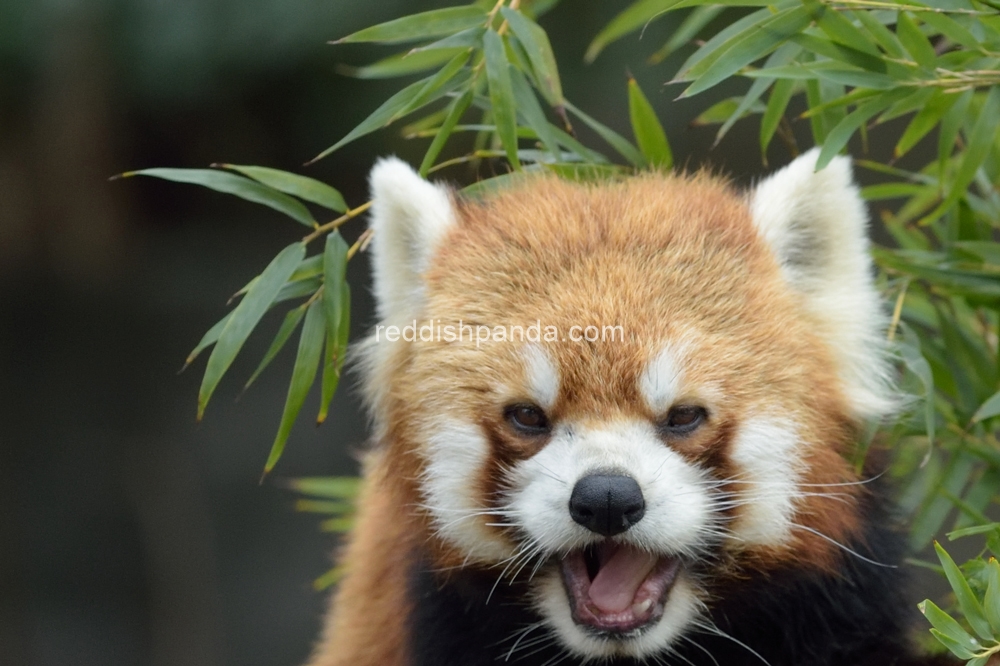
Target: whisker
<point>843,547</point>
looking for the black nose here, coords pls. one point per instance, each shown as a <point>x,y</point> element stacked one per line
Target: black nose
<point>607,504</point>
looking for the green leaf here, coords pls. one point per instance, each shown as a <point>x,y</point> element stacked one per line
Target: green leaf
<point>951,123</point>
<point>501,94</point>
<point>303,376</point>
<point>390,110</point>
<point>471,38</point>
<point>781,94</point>
<point>951,29</point>
<point>909,349</point>
<point>245,317</point>
<point>752,44</point>
<point>302,187</point>
<point>723,110</point>
<point>711,50</point>
<point>914,41</point>
<point>967,601</point>
<point>991,602</point>
<point>881,34</point>
<point>634,17</point>
<point>455,111</point>
<point>334,271</point>
<point>839,28</point>
<point>336,349</point>
<point>988,409</point>
<point>333,487</point>
<point>842,132</point>
<point>288,326</point>
<point>434,83</point>
<point>830,71</point>
<point>402,64</point>
<point>531,111</point>
<point>971,531</point>
<point>948,631</point>
<point>751,101</point>
<point>424,25</point>
<point>622,145</point>
<point>539,50</point>
<point>837,51</point>
<point>687,30</point>
<point>649,134</point>
<point>207,340</point>
<point>980,142</point>
<point>220,181</point>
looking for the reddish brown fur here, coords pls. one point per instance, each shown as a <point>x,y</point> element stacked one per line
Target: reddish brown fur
<point>663,257</point>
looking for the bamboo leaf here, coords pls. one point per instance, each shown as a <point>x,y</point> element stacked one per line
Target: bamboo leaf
<point>336,350</point>
<point>991,602</point>
<point>914,41</point>
<point>390,110</point>
<point>839,28</point>
<point>333,487</point>
<point>245,318</point>
<point>531,111</point>
<point>687,30</point>
<point>726,109</point>
<point>424,25</point>
<point>967,601</point>
<point>781,94</point>
<point>881,34</point>
<point>334,271</point>
<point>471,38</point>
<point>649,134</point>
<point>843,131</point>
<point>455,111</point>
<point>434,83</point>
<point>210,338</point>
<point>303,376</point>
<point>711,50</point>
<point>402,64</point>
<point>634,17</point>
<point>836,51</point>
<point>539,50</point>
<point>230,183</point>
<point>955,638</point>
<point>784,54</point>
<point>951,122</point>
<point>751,45</point>
<point>621,145</point>
<point>501,94</point>
<point>302,187</point>
<point>988,409</point>
<point>288,326</point>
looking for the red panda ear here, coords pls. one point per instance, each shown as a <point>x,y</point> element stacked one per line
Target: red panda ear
<point>817,226</point>
<point>409,217</point>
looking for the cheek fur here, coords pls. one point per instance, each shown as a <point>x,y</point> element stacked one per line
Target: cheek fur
<point>455,455</point>
<point>766,460</point>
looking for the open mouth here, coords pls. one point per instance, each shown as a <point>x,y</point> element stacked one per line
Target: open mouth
<point>616,588</point>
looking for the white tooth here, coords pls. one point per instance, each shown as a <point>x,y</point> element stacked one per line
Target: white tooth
<point>641,607</point>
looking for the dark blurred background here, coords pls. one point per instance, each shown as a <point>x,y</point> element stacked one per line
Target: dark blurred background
<point>128,533</point>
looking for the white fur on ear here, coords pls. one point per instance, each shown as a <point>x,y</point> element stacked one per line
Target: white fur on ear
<point>817,225</point>
<point>409,217</point>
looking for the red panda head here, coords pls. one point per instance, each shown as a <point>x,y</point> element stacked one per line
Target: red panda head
<point>625,397</point>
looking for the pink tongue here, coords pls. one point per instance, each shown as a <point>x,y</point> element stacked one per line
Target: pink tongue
<point>613,588</point>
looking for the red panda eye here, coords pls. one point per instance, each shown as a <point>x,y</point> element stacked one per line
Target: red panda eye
<point>529,419</point>
<point>683,419</point>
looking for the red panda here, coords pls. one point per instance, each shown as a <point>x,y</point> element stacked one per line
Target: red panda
<point>676,493</point>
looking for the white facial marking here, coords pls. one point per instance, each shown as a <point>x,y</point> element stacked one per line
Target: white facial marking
<point>660,382</point>
<point>456,454</point>
<point>542,375</point>
<point>765,453</point>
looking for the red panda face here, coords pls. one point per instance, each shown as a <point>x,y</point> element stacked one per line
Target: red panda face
<point>624,398</point>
